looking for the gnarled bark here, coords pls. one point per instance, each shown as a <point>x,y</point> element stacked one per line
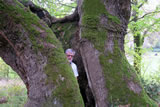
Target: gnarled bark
<point>113,81</point>
<point>32,50</point>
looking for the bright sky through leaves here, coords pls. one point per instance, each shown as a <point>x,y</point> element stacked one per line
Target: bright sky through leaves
<point>151,5</point>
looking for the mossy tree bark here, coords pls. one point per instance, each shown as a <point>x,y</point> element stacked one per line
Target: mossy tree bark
<point>29,46</point>
<point>68,34</point>
<point>113,81</point>
<point>32,50</point>
<point>138,41</point>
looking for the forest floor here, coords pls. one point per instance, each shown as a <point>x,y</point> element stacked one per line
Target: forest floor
<point>10,82</point>
<point>150,63</point>
<point>13,91</point>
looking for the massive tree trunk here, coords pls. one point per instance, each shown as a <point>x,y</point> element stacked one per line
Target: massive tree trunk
<point>113,81</point>
<point>32,50</point>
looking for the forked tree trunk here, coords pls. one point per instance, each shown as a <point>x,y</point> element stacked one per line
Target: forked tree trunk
<point>32,50</point>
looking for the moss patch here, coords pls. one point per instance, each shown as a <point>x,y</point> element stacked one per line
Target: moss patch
<point>57,69</point>
<point>118,72</point>
<point>91,27</point>
<point>67,89</point>
<point>95,9</point>
<point>65,32</point>
<point>21,15</point>
<point>116,68</point>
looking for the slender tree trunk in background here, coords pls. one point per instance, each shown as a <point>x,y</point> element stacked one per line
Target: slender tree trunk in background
<point>138,42</point>
<point>32,50</point>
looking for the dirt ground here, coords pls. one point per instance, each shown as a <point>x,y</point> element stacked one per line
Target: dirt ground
<point>6,82</point>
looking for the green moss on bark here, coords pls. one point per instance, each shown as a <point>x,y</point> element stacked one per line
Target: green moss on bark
<point>18,14</point>
<point>65,32</point>
<point>118,73</point>
<point>94,9</point>
<point>91,27</point>
<point>67,89</point>
<point>57,69</point>
<point>116,69</point>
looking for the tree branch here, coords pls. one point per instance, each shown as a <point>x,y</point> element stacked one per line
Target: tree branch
<point>148,14</point>
<point>145,15</point>
<point>65,4</point>
<point>72,17</point>
<point>147,30</point>
<point>140,5</point>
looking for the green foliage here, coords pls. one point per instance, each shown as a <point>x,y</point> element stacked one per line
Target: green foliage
<point>57,8</point>
<point>65,32</point>
<point>152,85</point>
<point>121,74</point>
<point>142,24</point>
<point>150,75</point>
<point>14,93</point>
<point>6,71</point>
<point>152,88</point>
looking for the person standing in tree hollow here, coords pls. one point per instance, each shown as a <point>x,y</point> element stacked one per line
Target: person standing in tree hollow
<point>70,54</point>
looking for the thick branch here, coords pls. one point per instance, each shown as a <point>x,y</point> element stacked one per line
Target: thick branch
<point>40,12</point>
<point>71,18</point>
<point>45,16</point>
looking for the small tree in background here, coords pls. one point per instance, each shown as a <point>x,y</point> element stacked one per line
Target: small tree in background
<point>141,25</point>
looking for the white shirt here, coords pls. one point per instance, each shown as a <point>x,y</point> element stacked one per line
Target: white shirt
<point>74,69</point>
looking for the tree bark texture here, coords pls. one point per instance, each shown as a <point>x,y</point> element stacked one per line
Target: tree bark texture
<point>68,34</point>
<point>113,81</point>
<point>33,51</point>
<point>138,43</point>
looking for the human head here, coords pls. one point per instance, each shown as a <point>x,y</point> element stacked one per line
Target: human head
<point>70,54</point>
